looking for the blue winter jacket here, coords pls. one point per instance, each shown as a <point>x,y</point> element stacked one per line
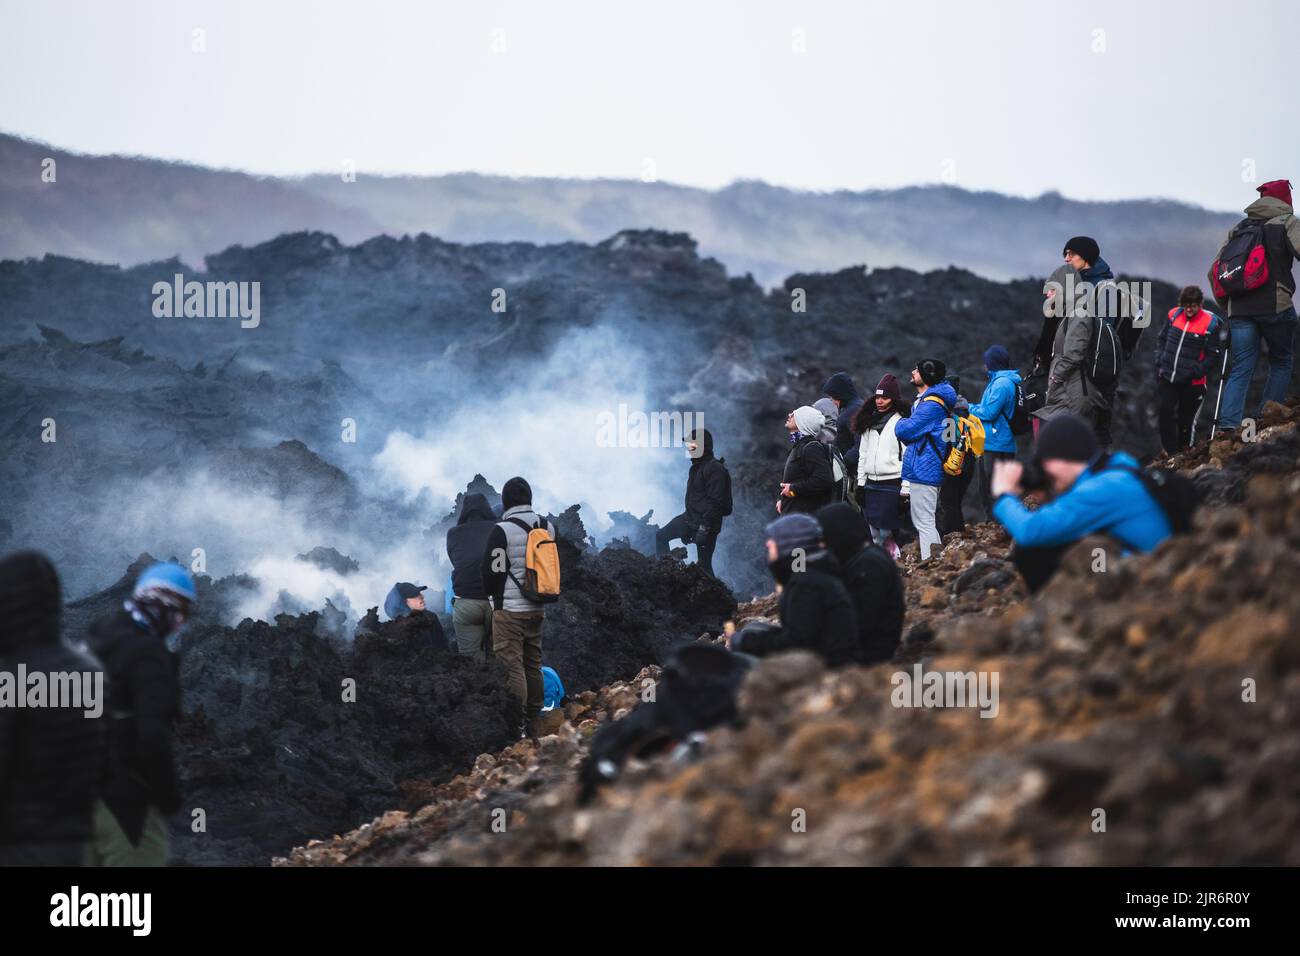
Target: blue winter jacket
<point>922,433</point>
<point>995,408</point>
<point>1111,501</point>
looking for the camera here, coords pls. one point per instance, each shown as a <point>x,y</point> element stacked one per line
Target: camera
<point>1033,478</point>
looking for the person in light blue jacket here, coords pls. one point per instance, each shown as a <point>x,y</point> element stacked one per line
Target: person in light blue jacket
<point>995,408</point>
<point>1093,492</point>
<point>923,434</point>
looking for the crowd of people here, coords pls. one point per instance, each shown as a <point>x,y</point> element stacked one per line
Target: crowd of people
<point>861,474</point>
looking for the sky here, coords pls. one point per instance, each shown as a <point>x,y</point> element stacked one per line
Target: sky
<point>1098,100</point>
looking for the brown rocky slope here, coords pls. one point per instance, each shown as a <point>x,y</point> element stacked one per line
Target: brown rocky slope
<point>1146,715</point>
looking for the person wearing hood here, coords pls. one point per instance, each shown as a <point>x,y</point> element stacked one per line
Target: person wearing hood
<point>141,787</point>
<point>707,501</point>
<point>839,388</point>
<point>807,481</point>
<point>816,611</point>
<point>51,758</point>
<point>995,409</point>
<point>1092,493</point>
<point>1266,313</point>
<point>870,576</point>
<point>880,461</point>
<point>517,619</point>
<point>1101,301</point>
<point>923,434</point>
<point>471,611</point>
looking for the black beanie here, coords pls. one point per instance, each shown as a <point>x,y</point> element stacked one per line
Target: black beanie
<point>516,493</point>
<point>932,371</point>
<point>1068,437</point>
<point>1084,246</point>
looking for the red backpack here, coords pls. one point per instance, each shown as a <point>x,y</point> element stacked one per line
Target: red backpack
<point>1243,265</point>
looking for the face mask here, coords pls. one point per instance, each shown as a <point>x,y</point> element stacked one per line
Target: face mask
<point>781,569</point>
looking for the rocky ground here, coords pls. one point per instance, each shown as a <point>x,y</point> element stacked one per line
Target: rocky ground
<point>1146,716</point>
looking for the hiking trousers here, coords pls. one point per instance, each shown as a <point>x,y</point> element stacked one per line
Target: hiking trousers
<point>1177,406</point>
<point>112,847</point>
<point>684,525</point>
<point>925,500</point>
<point>1277,332</point>
<point>517,643</point>
<point>471,619</point>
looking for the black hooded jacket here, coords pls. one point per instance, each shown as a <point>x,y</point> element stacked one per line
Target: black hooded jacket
<point>816,615</point>
<point>808,473</point>
<point>841,388</point>
<point>706,488</point>
<point>870,576</point>
<point>466,543</point>
<point>51,758</point>
<point>145,701</point>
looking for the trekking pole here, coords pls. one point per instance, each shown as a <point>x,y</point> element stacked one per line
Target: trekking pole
<point>1222,374</point>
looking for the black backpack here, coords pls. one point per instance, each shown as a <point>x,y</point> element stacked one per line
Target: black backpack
<point>1019,419</point>
<point>1243,266</point>
<point>1104,354</point>
<point>1034,391</point>
<point>727,504</point>
<point>1173,492</point>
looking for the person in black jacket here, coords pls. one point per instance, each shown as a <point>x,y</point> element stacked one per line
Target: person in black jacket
<point>706,500</point>
<point>141,786</point>
<point>1191,345</point>
<point>870,576</point>
<point>51,758</point>
<point>471,612</point>
<point>840,389</point>
<point>808,480</point>
<point>816,611</point>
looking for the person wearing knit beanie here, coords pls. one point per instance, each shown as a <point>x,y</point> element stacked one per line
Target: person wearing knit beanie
<point>1067,437</point>
<point>889,388</point>
<point>516,492</point>
<point>1277,189</point>
<point>794,531</point>
<point>807,480</point>
<point>931,372</point>
<point>1091,493</point>
<point>997,359</point>
<point>1085,247</point>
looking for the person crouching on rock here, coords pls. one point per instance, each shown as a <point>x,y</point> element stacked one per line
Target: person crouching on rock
<point>807,480</point>
<point>870,576</point>
<point>708,499</point>
<point>141,785</point>
<point>407,600</point>
<point>1092,492</point>
<point>403,599</point>
<point>516,620</point>
<point>816,611</point>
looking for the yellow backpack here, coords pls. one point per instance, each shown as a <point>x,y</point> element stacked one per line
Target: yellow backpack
<point>970,438</point>
<point>541,582</point>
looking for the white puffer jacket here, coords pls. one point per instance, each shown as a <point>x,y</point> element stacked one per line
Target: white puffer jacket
<point>880,454</point>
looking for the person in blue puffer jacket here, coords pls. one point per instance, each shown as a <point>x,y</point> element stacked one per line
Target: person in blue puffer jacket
<point>1093,492</point>
<point>923,434</point>
<point>995,408</point>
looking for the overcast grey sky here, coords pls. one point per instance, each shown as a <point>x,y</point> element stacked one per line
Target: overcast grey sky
<point>1100,100</point>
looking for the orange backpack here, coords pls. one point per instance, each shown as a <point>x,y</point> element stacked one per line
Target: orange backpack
<point>541,583</point>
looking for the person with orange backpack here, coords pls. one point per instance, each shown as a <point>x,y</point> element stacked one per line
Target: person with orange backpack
<point>521,574</point>
<point>1190,345</point>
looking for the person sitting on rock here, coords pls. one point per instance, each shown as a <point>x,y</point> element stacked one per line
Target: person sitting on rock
<point>707,501</point>
<point>870,576</point>
<point>1092,492</point>
<point>816,611</point>
<point>403,599</point>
